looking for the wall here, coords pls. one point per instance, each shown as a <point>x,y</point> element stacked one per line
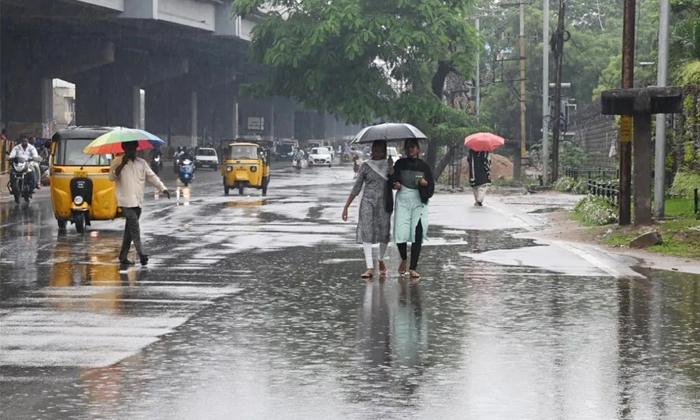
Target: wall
<point>595,133</point>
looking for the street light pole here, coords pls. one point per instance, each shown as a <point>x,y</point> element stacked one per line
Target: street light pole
<point>520,157</point>
<point>661,79</point>
<point>545,92</point>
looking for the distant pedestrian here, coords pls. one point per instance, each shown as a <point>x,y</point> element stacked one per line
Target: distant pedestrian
<point>130,173</point>
<point>479,175</point>
<point>374,223</point>
<point>414,180</point>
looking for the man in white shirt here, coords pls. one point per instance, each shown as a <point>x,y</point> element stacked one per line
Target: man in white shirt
<point>26,151</point>
<point>130,173</point>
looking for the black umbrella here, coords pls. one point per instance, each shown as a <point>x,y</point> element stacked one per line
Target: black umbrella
<point>388,132</point>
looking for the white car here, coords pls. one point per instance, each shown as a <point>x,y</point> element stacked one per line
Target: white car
<point>206,156</point>
<point>320,156</point>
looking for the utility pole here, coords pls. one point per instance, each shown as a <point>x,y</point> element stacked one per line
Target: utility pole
<point>661,79</point>
<point>478,74</point>
<point>626,141</point>
<point>520,157</point>
<point>545,92</point>
<point>558,49</point>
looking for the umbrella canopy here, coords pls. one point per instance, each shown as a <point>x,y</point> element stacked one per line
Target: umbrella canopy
<point>484,142</point>
<point>111,143</point>
<point>388,132</point>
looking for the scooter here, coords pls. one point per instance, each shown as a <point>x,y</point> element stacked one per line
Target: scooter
<point>186,171</point>
<point>20,184</point>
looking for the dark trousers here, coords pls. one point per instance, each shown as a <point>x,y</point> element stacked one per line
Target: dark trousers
<point>415,248</point>
<point>132,232</point>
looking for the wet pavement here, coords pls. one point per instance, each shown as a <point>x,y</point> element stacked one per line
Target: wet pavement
<point>252,308</point>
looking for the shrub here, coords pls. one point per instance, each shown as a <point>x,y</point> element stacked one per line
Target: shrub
<point>595,210</point>
<point>684,183</point>
<point>568,184</point>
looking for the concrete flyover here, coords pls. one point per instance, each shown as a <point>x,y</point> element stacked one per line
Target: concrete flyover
<point>187,57</point>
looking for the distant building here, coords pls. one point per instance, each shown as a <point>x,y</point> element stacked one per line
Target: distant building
<point>63,106</point>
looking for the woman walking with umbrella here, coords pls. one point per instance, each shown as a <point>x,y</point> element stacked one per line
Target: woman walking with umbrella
<point>480,145</point>
<point>374,223</point>
<point>414,181</point>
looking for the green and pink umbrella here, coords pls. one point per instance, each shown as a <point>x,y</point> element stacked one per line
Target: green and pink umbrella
<point>111,143</point>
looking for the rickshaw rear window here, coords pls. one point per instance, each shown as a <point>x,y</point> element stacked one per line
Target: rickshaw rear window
<point>69,152</point>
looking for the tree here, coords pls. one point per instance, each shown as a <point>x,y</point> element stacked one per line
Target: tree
<point>365,60</point>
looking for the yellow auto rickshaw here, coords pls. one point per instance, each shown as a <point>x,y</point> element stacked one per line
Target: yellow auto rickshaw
<point>80,187</point>
<point>246,165</point>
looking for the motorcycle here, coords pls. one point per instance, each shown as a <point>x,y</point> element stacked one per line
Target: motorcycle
<point>45,173</point>
<point>156,164</point>
<point>20,184</point>
<point>186,171</point>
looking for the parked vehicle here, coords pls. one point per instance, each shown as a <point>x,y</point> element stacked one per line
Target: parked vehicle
<point>246,165</point>
<point>186,171</point>
<point>205,156</point>
<point>20,184</point>
<point>80,187</point>
<point>320,156</point>
<point>285,149</point>
<point>392,153</point>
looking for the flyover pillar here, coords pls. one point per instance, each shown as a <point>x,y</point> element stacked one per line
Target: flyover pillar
<point>171,113</point>
<point>107,96</point>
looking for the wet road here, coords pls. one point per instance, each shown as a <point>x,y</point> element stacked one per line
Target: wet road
<point>252,308</point>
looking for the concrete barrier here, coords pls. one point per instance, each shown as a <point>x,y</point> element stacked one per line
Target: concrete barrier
<point>4,179</point>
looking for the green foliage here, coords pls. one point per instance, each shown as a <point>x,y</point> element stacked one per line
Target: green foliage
<point>571,155</point>
<point>569,184</point>
<point>684,183</point>
<point>593,210</point>
<point>365,59</point>
<point>689,73</point>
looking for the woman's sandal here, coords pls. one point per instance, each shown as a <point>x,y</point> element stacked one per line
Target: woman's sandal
<point>382,271</point>
<point>414,274</point>
<point>402,268</point>
<point>368,274</point>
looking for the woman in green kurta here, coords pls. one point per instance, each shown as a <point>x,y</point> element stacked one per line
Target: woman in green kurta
<point>414,181</point>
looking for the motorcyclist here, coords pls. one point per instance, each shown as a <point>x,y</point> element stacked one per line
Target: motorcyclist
<point>35,163</point>
<point>28,152</point>
<point>176,159</point>
<point>186,154</point>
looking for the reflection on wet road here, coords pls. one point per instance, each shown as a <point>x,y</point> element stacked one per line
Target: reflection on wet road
<point>498,328</point>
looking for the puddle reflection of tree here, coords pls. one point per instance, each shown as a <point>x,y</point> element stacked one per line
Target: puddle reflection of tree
<point>392,336</point>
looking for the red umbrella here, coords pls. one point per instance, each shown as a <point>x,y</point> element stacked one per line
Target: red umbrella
<point>484,142</point>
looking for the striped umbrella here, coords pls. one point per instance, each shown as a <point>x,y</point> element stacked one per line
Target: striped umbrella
<point>111,143</point>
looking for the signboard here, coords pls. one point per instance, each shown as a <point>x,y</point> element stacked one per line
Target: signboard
<point>256,123</point>
<point>626,124</point>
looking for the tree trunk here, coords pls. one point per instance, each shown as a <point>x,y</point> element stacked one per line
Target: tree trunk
<point>442,164</point>
<point>438,85</point>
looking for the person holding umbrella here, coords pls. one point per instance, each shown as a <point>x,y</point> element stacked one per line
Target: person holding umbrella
<point>130,173</point>
<point>480,145</point>
<point>374,224</point>
<point>415,184</point>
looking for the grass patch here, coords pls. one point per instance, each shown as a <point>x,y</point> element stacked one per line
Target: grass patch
<point>681,236</point>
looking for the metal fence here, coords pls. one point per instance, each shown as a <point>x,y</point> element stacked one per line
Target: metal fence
<point>609,190</point>
<point>592,173</point>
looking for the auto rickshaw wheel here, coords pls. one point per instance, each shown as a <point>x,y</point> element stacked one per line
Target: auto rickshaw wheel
<point>79,220</point>
<point>62,224</point>
<point>241,189</point>
<point>226,189</point>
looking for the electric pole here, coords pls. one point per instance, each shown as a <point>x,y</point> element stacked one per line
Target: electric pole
<point>478,74</point>
<point>558,52</point>
<point>661,79</point>
<point>626,141</point>
<point>545,92</point>
<point>520,157</point>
